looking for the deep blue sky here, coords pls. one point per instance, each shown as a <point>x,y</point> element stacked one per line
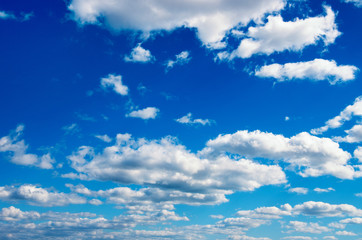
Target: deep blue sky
<point>52,64</point>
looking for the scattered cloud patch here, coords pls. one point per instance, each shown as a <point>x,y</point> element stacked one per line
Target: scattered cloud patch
<point>146,113</point>
<point>187,119</point>
<point>140,55</point>
<point>357,3</point>
<point>297,226</point>
<point>354,135</point>
<point>104,138</point>
<point>316,70</point>
<point>10,16</point>
<point>351,110</point>
<point>324,190</point>
<point>345,233</point>
<point>299,190</point>
<point>181,59</point>
<point>115,83</point>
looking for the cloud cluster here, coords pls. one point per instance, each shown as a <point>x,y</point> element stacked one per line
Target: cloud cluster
<point>357,3</point>
<point>277,35</point>
<point>308,155</point>
<point>146,113</point>
<point>115,83</point>
<point>211,19</point>
<point>354,109</point>
<point>17,149</point>
<point>187,119</point>
<point>316,70</point>
<point>140,55</point>
<point>168,165</point>
<point>181,59</point>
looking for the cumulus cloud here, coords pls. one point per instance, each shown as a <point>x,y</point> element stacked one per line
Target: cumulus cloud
<point>316,70</point>
<point>357,3</point>
<point>212,20</point>
<point>17,149</point>
<point>352,221</point>
<point>104,138</point>
<point>267,212</point>
<point>358,153</point>
<point>321,209</point>
<point>181,59</point>
<point>345,233</point>
<point>38,196</point>
<point>354,135</point>
<point>14,214</point>
<point>351,110</point>
<point>299,190</point>
<point>115,83</point>
<point>187,119</point>
<point>323,190</point>
<point>146,113</point>
<point>139,54</point>
<point>311,227</point>
<point>308,155</point>
<point>277,35</point>
<point>168,165</point>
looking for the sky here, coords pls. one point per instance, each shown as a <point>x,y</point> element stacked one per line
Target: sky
<point>156,119</point>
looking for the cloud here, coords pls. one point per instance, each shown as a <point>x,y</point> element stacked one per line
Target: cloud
<point>168,165</point>
<point>181,59</point>
<point>321,209</point>
<point>187,119</point>
<point>311,227</point>
<point>14,214</point>
<point>351,110</point>
<point>6,15</point>
<point>146,113</point>
<point>10,16</point>
<point>357,3</point>
<point>352,221</point>
<point>104,138</point>
<point>114,82</point>
<point>38,196</point>
<point>308,155</point>
<point>17,149</point>
<point>358,153</point>
<point>139,54</point>
<point>212,21</point>
<point>354,135</point>
<point>297,238</point>
<point>243,223</point>
<point>316,70</point>
<point>267,212</point>
<point>299,190</point>
<point>324,190</point>
<point>345,233</point>
<point>277,35</point>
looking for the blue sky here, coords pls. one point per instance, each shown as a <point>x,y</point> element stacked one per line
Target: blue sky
<point>180,119</point>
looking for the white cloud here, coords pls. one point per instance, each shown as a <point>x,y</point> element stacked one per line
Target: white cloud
<point>358,153</point>
<point>323,190</point>
<point>146,113</point>
<point>298,238</point>
<point>38,196</point>
<point>104,138</point>
<point>299,190</point>
<point>277,35</point>
<point>242,222</point>
<point>330,237</point>
<point>354,135</point>
<point>139,54</point>
<point>219,216</point>
<point>321,209</point>
<point>114,82</point>
<point>352,221</point>
<point>18,151</point>
<point>345,233</point>
<point>212,19</point>
<point>308,155</point>
<point>267,212</point>
<point>14,214</point>
<point>168,165</point>
<point>316,70</point>
<point>351,110</point>
<point>22,17</point>
<point>187,119</point>
<point>306,227</point>
<point>181,59</point>
<point>357,3</point>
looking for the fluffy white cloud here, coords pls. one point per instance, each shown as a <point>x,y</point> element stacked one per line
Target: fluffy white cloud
<point>306,227</point>
<point>277,35</point>
<point>352,221</point>
<point>242,222</point>
<point>104,138</point>
<point>358,153</point>
<point>308,155</point>
<point>139,54</point>
<point>18,151</point>
<point>323,190</point>
<point>267,212</point>
<point>14,214</point>
<point>166,164</point>
<point>316,70</point>
<point>39,196</point>
<point>345,233</point>
<point>146,113</point>
<point>353,135</point>
<point>357,3</point>
<point>351,110</point>
<point>321,209</point>
<point>114,82</point>
<point>299,190</point>
<point>181,59</point>
<point>212,19</point>
<point>187,119</point>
